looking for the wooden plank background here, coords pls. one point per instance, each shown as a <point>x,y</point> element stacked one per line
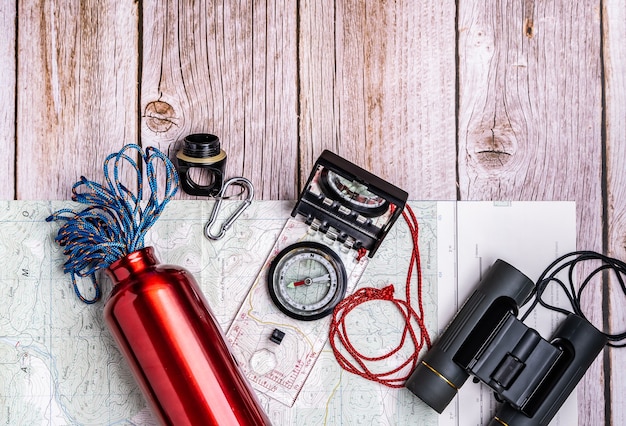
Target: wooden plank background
<point>468,100</point>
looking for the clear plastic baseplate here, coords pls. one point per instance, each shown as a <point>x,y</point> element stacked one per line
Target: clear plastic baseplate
<point>279,370</point>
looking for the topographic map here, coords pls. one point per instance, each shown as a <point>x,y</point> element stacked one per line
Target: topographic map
<point>59,364</point>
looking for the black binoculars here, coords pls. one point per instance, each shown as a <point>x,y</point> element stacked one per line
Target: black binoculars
<point>531,376</point>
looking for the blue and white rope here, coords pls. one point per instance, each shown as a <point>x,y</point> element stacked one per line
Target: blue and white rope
<point>114,223</point>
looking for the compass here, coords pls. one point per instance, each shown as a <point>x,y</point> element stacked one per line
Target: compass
<point>353,194</point>
<point>306,280</point>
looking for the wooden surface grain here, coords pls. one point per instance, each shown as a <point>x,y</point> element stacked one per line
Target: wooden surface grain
<point>76,98</point>
<point>467,100</point>
<point>614,54</point>
<point>365,70</point>
<point>7,99</point>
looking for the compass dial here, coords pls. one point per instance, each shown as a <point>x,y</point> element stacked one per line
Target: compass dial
<point>352,194</point>
<point>306,280</point>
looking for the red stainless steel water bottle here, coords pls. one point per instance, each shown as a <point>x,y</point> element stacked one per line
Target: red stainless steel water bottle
<point>175,347</point>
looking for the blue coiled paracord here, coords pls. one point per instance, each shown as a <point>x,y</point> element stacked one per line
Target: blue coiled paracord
<point>114,223</point>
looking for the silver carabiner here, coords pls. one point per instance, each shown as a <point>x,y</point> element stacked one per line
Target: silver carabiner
<point>239,181</point>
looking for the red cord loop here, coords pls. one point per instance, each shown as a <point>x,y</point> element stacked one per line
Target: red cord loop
<point>362,251</point>
<point>357,363</point>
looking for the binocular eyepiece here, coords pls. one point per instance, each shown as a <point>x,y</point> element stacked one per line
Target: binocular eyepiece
<point>485,339</point>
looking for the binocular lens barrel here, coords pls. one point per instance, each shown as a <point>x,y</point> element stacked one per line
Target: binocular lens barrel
<point>438,377</point>
<point>581,343</point>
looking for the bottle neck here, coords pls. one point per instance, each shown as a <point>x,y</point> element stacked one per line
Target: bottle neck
<point>132,264</point>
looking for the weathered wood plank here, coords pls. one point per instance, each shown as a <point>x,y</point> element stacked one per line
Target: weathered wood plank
<point>228,69</point>
<point>77,91</point>
<point>7,99</point>
<point>530,116</point>
<point>614,32</point>
<point>377,86</point>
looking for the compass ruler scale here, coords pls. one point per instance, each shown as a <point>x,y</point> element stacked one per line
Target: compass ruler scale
<point>343,214</point>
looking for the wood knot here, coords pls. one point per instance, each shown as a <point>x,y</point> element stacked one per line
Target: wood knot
<point>494,152</point>
<point>529,29</point>
<point>159,116</point>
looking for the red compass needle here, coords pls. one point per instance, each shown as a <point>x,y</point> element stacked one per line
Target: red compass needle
<point>308,281</point>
